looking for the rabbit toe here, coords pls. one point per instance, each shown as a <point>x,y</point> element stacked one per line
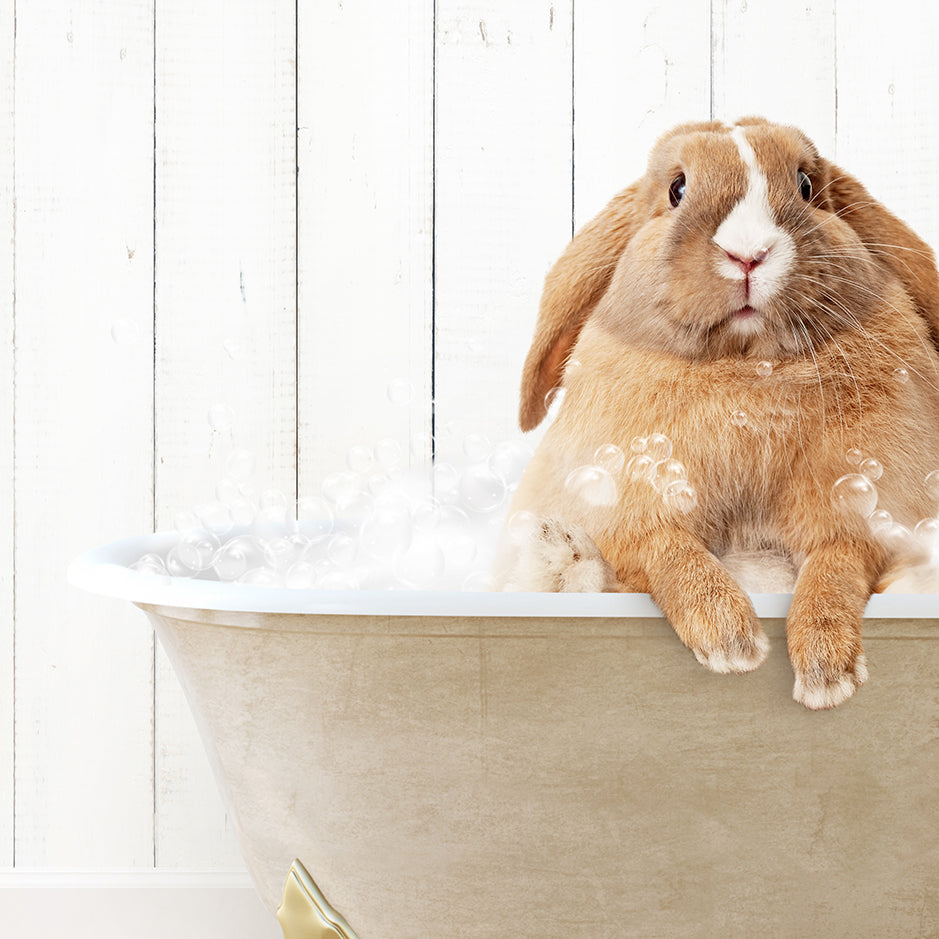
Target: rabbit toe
<point>820,688</point>
<point>740,654</point>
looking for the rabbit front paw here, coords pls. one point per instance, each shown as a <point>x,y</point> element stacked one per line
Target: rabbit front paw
<point>820,687</point>
<point>554,557</point>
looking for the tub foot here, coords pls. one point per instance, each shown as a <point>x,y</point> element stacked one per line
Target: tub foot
<point>304,912</point>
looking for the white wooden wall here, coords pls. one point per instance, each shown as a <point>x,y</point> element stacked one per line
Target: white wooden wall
<point>281,208</point>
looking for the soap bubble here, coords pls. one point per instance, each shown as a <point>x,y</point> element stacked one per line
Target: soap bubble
<point>659,447</point>
<point>522,525</point>
<point>456,537</point>
<point>640,466</point>
<point>666,472</point>
<point>879,520</point>
<point>854,456</point>
<point>175,566</point>
<point>242,511</point>
<point>477,447</point>
<point>927,532</point>
<point>897,539</point>
<point>764,369</point>
<point>638,444</point>
<point>236,557</point>
<point>386,531</point>
<point>610,458</point>
<point>150,564</point>
<point>227,490</point>
<point>421,564</point>
<point>872,469</point>
<point>932,485</point>
<point>262,577</point>
<point>399,392</point>
<point>314,518</point>
<point>680,495</point>
<point>389,454</point>
<point>509,459</point>
<point>446,482</point>
<point>426,514</point>
<point>854,494</point>
<point>901,376</point>
<point>478,582</point>
<point>185,521</point>
<point>301,576</point>
<point>240,464</point>
<point>341,549</point>
<point>739,418</point>
<point>553,401</point>
<point>593,484</point>
<point>196,548</point>
<point>481,490</point>
<point>215,516</point>
<point>342,488</point>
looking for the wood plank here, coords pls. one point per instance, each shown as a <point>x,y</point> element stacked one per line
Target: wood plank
<point>503,201</point>
<point>83,463</point>
<point>636,76</point>
<point>776,60</point>
<point>226,332</point>
<point>365,112</point>
<point>887,106</point>
<point>6,429</point>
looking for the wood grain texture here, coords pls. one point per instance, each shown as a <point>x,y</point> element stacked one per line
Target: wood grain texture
<point>226,320</point>
<point>7,168</point>
<point>83,467</point>
<point>365,115</point>
<point>503,202</point>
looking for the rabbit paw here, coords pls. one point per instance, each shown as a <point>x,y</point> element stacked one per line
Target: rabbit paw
<point>740,651</point>
<point>820,687</point>
<point>557,558</point>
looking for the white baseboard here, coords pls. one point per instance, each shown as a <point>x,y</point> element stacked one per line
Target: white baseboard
<point>143,904</point>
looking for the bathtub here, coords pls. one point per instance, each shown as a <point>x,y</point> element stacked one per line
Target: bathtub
<point>447,766</point>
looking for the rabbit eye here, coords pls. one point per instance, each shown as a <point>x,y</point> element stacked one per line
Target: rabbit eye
<point>676,192</point>
<point>805,185</point>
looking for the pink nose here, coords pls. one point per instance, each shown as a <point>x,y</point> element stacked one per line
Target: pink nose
<point>751,262</point>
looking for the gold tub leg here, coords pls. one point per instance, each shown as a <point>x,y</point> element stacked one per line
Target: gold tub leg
<point>304,912</point>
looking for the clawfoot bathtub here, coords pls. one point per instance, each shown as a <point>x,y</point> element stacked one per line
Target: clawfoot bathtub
<point>448,766</point>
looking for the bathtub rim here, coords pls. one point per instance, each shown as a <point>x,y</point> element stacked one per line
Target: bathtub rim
<point>105,570</point>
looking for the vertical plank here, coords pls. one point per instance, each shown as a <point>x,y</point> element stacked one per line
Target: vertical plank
<point>636,75</point>
<point>83,462</point>
<point>503,201</point>
<point>365,111</point>
<point>225,325</point>
<point>888,104</point>
<point>7,16</point>
<point>776,59</point>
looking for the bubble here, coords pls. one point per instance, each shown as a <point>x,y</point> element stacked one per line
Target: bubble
<point>421,564</point>
<point>389,454</point>
<point>269,523</point>
<point>897,539</point>
<point>274,502</point>
<point>901,376</point>
<point>666,472</point>
<point>879,520</point>
<point>399,392</point>
<point>509,459</point>
<point>426,514</point>
<point>221,418</point>
<point>927,532</point>
<point>341,549</point>
<point>477,447</point>
<point>481,490</point>
<point>262,577</point>
<point>610,458</point>
<point>301,576</point>
<point>216,516</point>
<point>175,566</point>
<point>478,582</point>
<point>932,485</point>
<point>196,548</point>
<point>236,557</point>
<point>386,531</point>
<point>522,525</point>
<point>872,469</point>
<point>739,418</point>
<point>572,366</point>
<point>853,457</point>
<point>314,518</point>
<point>342,488</point>
<point>681,495</point>
<point>227,490</point>
<point>659,447</point>
<point>638,444</point>
<point>854,494</point>
<point>593,484</point>
<point>240,464</point>
<point>553,400</point>
<point>640,466</point>
<point>185,521</point>
<point>242,511</point>
<point>446,482</point>
<point>150,564</point>
<point>764,369</point>
<point>456,537</point>
<point>125,332</point>
<point>360,459</point>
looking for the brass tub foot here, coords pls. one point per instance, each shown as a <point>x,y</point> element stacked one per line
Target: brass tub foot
<point>304,912</point>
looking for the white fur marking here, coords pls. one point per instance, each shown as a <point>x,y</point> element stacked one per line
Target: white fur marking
<point>750,231</point>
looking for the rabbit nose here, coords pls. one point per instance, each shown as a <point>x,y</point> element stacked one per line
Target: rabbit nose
<point>748,263</point>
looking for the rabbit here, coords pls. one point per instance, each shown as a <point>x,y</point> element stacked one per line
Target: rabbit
<point>750,308</point>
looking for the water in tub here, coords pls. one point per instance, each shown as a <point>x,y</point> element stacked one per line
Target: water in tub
<point>377,524</point>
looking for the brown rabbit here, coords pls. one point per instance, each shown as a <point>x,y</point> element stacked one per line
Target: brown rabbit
<point>746,325</point>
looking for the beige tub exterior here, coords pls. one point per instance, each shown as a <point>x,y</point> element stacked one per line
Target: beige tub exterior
<point>448,777</point>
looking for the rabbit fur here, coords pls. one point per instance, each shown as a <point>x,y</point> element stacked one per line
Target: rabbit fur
<point>740,246</point>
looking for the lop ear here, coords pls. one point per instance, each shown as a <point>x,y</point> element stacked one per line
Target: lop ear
<point>890,240</point>
<point>572,289</point>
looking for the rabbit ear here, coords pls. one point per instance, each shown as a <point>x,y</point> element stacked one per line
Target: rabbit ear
<point>572,289</point>
<point>890,241</point>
